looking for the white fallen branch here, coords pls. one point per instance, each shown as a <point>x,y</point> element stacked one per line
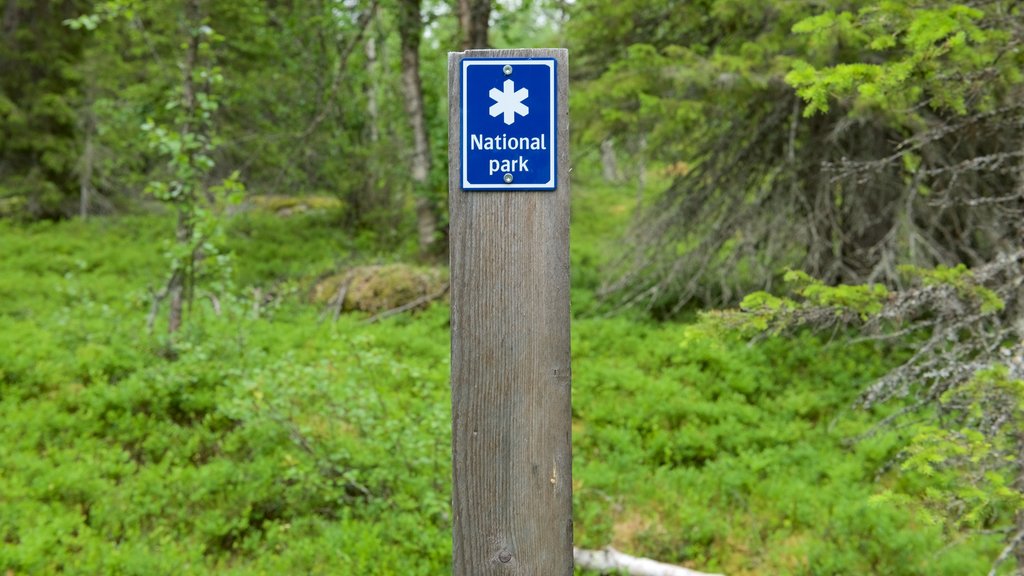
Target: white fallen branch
<point>609,559</point>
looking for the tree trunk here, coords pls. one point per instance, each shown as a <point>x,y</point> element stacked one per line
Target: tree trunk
<point>371,198</point>
<point>474,17</point>
<point>1018,550</point>
<point>86,167</point>
<point>181,277</point>
<point>641,171</point>
<point>609,161</point>
<point>1019,317</point>
<point>1015,543</point>
<point>10,20</point>
<point>371,87</point>
<point>175,292</point>
<point>87,161</point>
<point>410,29</point>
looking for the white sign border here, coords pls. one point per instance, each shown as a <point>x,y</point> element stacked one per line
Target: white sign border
<point>551,64</point>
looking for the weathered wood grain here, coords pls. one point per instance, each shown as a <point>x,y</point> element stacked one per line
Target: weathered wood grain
<point>511,414</point>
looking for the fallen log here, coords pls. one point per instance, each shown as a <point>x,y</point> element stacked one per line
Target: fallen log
<point>610,559</point>
<point>410,306</point>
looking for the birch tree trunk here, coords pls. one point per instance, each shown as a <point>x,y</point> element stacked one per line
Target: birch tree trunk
<point>641,171</point>
<point>86,163</point>
<point>183,231</point>
<point>410,29</point>
<point>609,161</point>
<point>372,108</point>
<point>374,194</point>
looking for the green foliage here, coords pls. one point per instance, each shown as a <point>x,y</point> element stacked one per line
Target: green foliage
<point>961,278</point>
<point>288,88</point>
<point>966,469</point>
<point>838,138</point>
<point>39,91</point>
<point>600,217</point>
<point>278,443</point>
<point>864,300</point>
<point>961,468</point>
<point>272,441</point>
<point>761,310</point>
<point>663,70</point>
<point>813,299</point>
<point>638,96</point>
<point>204,460</point>
<point>740,457</point>
<point>919,46</point>
<point>265,446</point>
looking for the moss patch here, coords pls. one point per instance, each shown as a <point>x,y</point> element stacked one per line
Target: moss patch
<point>378,288</point>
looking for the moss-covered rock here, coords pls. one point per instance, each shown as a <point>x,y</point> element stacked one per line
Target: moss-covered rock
<point>378,288</point>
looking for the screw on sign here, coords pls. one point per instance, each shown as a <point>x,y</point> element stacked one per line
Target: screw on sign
<point>509,235</point>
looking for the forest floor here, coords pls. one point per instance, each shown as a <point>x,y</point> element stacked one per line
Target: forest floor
<point>271,439</point>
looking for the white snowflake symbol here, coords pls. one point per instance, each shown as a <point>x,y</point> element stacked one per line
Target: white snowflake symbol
<point>509,102</point>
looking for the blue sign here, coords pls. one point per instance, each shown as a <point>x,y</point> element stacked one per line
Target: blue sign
<point>508,124</point>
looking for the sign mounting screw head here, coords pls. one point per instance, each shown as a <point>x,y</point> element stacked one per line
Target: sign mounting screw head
<point>507,69</point>
<point>507,178</point>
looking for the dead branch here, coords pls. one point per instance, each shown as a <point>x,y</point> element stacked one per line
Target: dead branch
<point>842,205</point>
<point>155,299</point>
<point>611,560</point>
<point>339,299</point>
<point>257,301</point>
<point>409,306</point>
<point>1014,542</point>
<point>215,302</point>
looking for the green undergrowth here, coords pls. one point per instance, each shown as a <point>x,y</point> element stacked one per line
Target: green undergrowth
<point>601,214</point>
<point>741,458</point>
<point>271,440</point>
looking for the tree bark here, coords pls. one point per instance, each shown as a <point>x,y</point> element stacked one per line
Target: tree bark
<point>1018,321</point>
<point>371,198</point>
<point>86,166</point>
<point>609,161</point>
<point>181,277</point>
<point>372,109</point>
<point>10,20</point>
<point>641,171</point>
<point>87,161</point>
<point>474,20</point>
<point>1014,546</point>
<point>410,29</point>
<point>175,291</point>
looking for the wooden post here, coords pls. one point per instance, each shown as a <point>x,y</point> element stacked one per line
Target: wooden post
<point>511,413</point>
